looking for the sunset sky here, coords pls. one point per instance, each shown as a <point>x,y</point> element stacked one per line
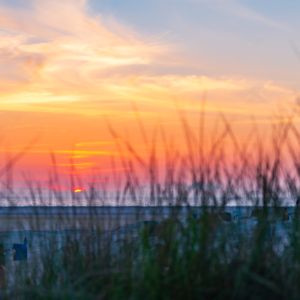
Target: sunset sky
<point>70,67</point>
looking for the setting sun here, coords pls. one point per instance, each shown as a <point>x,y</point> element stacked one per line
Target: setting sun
<point>78,190</point>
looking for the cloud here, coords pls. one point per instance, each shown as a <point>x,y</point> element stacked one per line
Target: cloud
<point>54,42</point>
<point>242,11</point>
<point>58,56</point>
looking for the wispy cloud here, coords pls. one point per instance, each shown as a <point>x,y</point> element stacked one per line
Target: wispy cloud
<point>54,47</point>
<point>58,56</point>
<point>238,9</point>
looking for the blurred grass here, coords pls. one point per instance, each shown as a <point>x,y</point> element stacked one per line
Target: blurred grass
<point>190,255</point>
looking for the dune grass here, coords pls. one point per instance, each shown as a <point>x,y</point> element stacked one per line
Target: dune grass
<point>188,254</point>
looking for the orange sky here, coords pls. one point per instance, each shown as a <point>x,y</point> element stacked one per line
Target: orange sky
<point>66,73</point>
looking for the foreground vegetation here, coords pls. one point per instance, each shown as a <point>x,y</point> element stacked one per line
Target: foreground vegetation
<point>201,258</point>
<point>209,254</point>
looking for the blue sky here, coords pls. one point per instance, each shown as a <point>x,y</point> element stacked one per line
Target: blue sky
<point>247,38</point>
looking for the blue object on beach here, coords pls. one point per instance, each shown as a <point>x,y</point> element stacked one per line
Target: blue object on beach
<point>20,251</point>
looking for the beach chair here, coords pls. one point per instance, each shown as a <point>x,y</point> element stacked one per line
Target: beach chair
<point>20,251</point>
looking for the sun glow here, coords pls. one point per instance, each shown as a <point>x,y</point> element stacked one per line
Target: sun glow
<point>78,190</point>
